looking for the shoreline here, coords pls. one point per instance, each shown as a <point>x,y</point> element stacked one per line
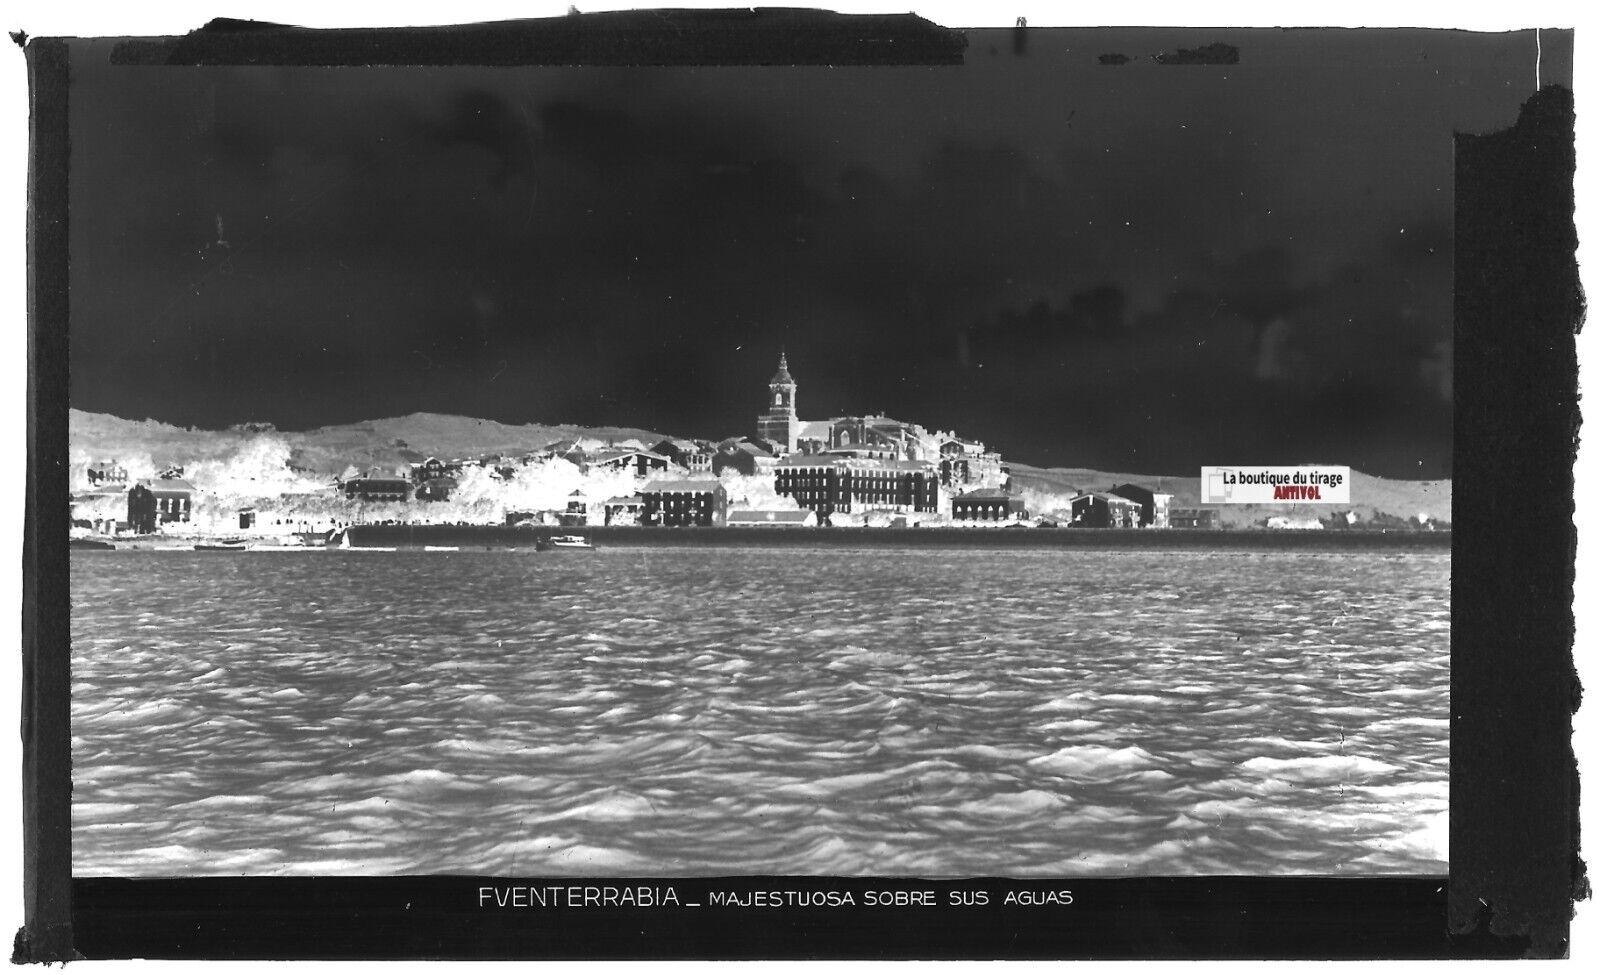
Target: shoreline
<point>503,538</point>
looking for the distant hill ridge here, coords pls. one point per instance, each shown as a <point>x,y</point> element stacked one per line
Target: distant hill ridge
<point>387,442</point>
<point>396,441</point>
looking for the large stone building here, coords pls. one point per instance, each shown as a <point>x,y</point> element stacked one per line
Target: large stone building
<point>828,483</point>
<point>968,464</point>
<point>1094,509</point>
<point>159,502</point>
<point>681,502</point>
<point>376,487</point>
<point>880,437</point>
<point>988,504</point>
<point>960,463</point>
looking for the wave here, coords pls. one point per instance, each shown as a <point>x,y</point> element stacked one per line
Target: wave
<point>745,711</point>
<point>1321,770</point>
<point>1012,804</point>
<point>1095,761</point>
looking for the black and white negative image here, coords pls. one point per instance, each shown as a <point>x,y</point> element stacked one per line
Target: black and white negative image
<point>708,471</point>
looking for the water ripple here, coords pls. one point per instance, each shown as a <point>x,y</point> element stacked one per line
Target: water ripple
<point>680,712</point>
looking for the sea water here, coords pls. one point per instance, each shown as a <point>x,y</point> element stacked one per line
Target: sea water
<point>671,712</point>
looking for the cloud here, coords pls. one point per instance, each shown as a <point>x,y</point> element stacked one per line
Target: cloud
<point>1113,269</point>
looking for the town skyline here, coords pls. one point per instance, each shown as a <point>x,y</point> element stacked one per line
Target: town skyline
<point>1130,267</point>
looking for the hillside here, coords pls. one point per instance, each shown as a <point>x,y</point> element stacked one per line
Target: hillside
<point>385,444</point>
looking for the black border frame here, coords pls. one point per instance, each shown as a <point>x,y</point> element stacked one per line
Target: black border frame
<point>1515,870</point>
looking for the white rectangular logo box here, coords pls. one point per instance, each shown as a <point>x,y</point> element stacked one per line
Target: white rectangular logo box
<point>1318,484</point>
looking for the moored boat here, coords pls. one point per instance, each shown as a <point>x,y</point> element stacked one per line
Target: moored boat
<point>222,545</point>
<point>556,542</point>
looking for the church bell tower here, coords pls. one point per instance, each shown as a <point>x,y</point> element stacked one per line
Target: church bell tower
<point>779,422</point>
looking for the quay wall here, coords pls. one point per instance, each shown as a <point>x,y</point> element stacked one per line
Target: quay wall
<point>468,537</point>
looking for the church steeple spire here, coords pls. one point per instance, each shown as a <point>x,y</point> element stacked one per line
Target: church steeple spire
<point>782,375</point>
<point>780,423</point>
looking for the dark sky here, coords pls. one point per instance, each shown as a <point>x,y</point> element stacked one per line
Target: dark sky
<point>1137,267</point>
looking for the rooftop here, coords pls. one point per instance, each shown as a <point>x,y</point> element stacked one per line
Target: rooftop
<point>1107,498</point>
<point>852,463</point>
<point>607,456</point>
<point>160,484</point>
<point>687,485</point>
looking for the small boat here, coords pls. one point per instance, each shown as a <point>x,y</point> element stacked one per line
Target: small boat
<point>341,540</point>
<point>222,545</point>
<point>562,541</point>
<point>441,548</point>
<point>90,543</point>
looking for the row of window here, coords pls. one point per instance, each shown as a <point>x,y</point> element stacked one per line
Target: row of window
<point>827,475</point>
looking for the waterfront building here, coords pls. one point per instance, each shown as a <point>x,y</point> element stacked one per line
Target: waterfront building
<point>677,503</point>
<point>1093,509</point>
<point>376,488</point>
<point>162,501</point>
<point>1161,516</point>
<point>988,504</point>
<point>624,509</point>
<point>829,483</point>
<point>1198,518</point>
<point>1153,505</point>
<point>577,513</point>
<point>772,518</point>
